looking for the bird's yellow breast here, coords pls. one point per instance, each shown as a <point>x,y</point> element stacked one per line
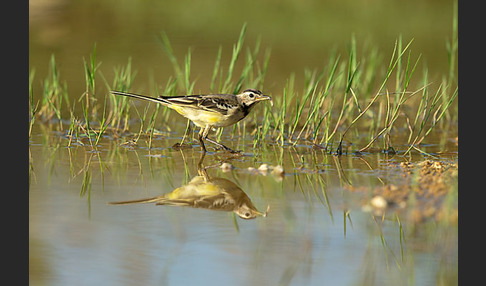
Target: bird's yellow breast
<point>201,117</point>
<point>194,190</point>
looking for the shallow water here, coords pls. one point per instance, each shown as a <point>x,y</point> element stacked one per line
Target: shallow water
<point>317,229</point>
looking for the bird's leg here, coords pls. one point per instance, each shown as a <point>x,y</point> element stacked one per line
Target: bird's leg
<point>202,134</point>
<point>219,144</point>
<point>201,170</point>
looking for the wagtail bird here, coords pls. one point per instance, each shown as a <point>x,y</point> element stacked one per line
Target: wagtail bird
<point>210,110</point>
<point>208,193</point>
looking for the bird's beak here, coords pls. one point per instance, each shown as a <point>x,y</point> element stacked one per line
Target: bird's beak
<point>265,97</point>
<point>265,213</point>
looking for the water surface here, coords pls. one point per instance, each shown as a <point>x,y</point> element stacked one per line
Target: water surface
<point>317,230</point>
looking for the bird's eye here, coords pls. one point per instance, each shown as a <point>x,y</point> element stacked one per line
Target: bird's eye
<point>251,95</point>
<point>247,214</point>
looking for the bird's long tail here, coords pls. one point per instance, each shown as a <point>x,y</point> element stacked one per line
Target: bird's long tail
<point>143,97</point>
<point>140,201</point>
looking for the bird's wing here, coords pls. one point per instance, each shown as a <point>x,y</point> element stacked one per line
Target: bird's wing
<point>185,100</point>
<point>219,103</point>
<point>176,202</point>
<point>218,202</point>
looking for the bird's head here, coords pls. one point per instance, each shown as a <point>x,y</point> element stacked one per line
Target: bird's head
<point>250,212</point>
<point>249,97</point>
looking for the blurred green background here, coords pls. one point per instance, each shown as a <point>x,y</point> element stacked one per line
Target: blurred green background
<point>299,35</point>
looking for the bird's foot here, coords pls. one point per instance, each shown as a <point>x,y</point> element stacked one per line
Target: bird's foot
<point>222,147</point>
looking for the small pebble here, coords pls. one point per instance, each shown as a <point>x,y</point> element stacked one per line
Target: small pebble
<point>253,170</point>
<point>378,202</point>
<point>263,169</point>
<point>278,171</point>
<point>226,167</point>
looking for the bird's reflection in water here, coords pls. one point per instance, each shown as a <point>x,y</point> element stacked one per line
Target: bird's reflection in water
<point>207,193</point>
